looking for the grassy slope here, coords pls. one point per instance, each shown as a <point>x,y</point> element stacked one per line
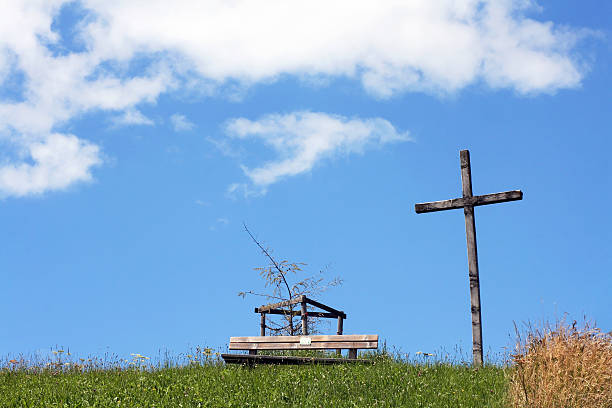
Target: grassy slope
<point>383,384</point>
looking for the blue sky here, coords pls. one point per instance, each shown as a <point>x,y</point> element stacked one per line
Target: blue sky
<point>135,141</point>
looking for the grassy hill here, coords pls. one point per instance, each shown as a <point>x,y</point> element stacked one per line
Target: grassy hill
<point>386,383</point>
<point>555,366</point>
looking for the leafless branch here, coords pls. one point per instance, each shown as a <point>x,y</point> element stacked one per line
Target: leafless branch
<point>267,254</point>
<point>250,292</point>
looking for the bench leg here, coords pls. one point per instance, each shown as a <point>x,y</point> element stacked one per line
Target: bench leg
<point>252,352</point>
<point>352,353</point>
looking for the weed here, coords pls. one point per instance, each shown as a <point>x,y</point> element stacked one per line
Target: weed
<point>562,366</point>
<point>204,381</point>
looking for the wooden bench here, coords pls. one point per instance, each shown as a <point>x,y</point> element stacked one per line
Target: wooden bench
<point>351,342</point>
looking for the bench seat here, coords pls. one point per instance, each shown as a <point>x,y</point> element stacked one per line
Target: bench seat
<point>352,342</point>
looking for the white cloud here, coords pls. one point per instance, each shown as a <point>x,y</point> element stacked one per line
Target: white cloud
<point>302,139</point>
<point>391,45</point>
<point>180,123</point>
<point>221,46</point>
<point>58,162</point>
<point>132,117</point>
<point>220,222</point>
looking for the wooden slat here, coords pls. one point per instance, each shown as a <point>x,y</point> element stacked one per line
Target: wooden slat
<point>297,313</point>
<point>324,307</point>
<point>300,299</point>
<point>313,346</point>
<point>475,201</point>
<point>296,339</point>
<point>284,303</point>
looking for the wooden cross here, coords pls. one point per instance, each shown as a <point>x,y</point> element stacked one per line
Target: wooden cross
<point>468,202</point>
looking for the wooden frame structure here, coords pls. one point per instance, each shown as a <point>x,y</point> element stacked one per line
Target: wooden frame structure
<point>303,301</point>
<point>299,342</point>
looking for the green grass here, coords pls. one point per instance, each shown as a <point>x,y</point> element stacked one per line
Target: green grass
<point>386,383</point>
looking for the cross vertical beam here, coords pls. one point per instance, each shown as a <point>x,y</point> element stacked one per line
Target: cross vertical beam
<point>468,202</point>
<point>472,250</point>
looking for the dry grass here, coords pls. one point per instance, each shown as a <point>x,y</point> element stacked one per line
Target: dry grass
<point>562,366</point>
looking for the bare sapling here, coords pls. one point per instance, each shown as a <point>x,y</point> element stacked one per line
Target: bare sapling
<point>280,287</point>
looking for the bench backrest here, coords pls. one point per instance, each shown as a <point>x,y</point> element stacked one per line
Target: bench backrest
<point>318,342</point>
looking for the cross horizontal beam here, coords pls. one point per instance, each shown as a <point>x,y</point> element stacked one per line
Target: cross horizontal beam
<point>474,201</point>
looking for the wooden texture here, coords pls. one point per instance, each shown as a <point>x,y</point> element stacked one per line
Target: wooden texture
<point>304,318</point>
<point>474,278</point>
<point>253,344</point>
<point>286,312</point>
<point>296,339</point>
<point>468,202</point>
<point>262,325</point>
<point>355,341</point>
<point>320,345</point>
<point>284,303</point>
<point>339,332</point>
<point>474,201</point>
<point>324,307</point>
<point>296,300</point>
<point>251,360</point>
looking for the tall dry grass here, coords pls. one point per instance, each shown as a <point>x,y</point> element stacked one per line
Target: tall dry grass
<point>562,366</point>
